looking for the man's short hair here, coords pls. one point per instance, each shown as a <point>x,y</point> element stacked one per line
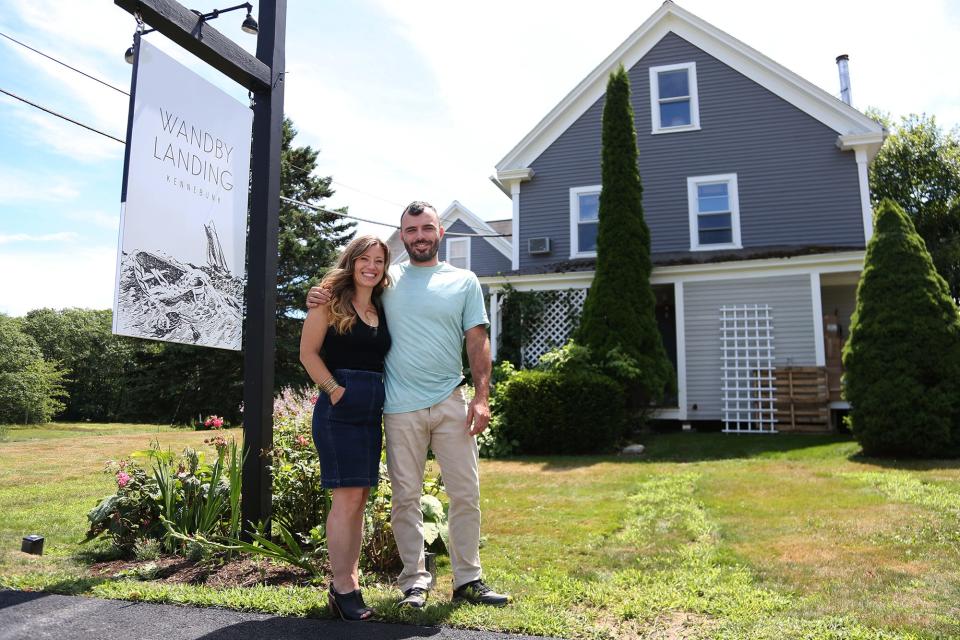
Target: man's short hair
<point>417,207</point>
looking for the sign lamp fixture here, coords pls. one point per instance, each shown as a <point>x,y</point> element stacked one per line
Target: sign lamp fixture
<point>249,24</point>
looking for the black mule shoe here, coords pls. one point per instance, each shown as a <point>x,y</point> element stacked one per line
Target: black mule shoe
<point>349,606</point>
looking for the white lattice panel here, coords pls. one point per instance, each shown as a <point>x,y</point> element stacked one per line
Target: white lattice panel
<point>554,325</point>
<point>746,365</point>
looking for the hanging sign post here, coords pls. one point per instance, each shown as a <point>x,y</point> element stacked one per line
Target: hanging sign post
<point>209,258</point>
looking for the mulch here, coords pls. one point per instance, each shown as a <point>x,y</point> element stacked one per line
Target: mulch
<point>239,572</point>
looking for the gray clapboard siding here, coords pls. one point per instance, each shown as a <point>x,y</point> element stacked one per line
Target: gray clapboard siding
<point>485,259</point>
<point>793,336</point>
<point>796,187</point>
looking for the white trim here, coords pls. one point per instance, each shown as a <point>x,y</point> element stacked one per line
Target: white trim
<point>694,212</point>
<point>575,193</point>
<point>494,323</point>
<point>820,347</point>
<point>656,125</point>
<point>866,210</point>
<point>680,317</point>
<point>515,240</point>
<point>457,211</point>
<point>454,241</point>
<point>848,261</point>
<point>669,413</point>
<point>801,93</point>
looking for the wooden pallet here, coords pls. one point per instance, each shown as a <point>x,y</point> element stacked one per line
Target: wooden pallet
<point>802,399</point>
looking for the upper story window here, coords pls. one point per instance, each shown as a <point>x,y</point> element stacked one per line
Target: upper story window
<point>674,105</point>
<point>584,221</point>
<point>714,212</point>
<point>458,252</point>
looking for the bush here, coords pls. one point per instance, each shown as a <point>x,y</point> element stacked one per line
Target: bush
<point>548,412</point>
<point>300,503</point>
<point>902,359</point>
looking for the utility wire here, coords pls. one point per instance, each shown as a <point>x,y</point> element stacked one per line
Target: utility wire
<point>60,115</point>
<point>106,84</point>
<point>384,224</point>
<point>448,233</point>
<point>290,200</point>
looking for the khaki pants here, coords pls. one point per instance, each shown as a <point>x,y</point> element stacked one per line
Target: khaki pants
<point>409,435</point>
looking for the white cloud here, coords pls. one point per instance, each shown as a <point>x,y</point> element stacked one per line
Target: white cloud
<point>62,236</point>
<point>80,278</point>
<point>97,219</point>
<point>27,187</point>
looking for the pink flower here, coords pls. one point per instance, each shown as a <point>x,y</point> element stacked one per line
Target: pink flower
<point>302,440</point>
<point>314,398</point>
<point>122,479</point>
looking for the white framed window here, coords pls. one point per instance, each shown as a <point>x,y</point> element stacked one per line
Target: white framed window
<point>674,103</point>
<point>584,221</point>
<point>714,206</point>
<point>458,252</point>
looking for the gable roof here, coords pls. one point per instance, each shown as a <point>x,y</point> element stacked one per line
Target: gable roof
<point>853,127</point>
<point>450,215</point>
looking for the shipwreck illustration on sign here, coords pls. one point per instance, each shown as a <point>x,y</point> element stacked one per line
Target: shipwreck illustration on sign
<point>167,299</point>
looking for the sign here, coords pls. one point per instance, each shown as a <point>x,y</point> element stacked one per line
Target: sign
<point>180,261</point>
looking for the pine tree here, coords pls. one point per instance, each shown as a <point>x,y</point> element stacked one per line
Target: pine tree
<point>902,358</point>
<point>620,309</point>
<point>309,242</point>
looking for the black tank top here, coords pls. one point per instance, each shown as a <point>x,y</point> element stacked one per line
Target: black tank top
<point>362,348</point>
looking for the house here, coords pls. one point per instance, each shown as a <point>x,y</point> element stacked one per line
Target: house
<point>756,195</point>
<point>468,242</point>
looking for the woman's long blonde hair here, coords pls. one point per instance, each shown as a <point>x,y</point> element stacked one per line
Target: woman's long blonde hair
<point>339,281</point>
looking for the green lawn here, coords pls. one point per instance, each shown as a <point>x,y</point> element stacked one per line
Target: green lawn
<point>705,536</point>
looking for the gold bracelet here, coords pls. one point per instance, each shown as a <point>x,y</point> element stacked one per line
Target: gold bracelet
<point>328,384</point>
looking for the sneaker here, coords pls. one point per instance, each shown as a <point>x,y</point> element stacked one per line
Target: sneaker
<point>477,592</point>
<point>414,597</point>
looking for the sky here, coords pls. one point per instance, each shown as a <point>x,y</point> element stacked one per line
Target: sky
<point>405,99</point>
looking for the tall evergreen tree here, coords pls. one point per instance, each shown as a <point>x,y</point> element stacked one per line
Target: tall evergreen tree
<point>620,309</point>
<point>902,358</point>
<point>310,241</point>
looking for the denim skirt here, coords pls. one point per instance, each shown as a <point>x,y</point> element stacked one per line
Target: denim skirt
<point>349,434</point>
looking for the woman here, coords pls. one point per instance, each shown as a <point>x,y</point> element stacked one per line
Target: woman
<point>342,347</point>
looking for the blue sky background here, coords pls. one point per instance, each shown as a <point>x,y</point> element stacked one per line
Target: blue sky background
<point>405,99</point>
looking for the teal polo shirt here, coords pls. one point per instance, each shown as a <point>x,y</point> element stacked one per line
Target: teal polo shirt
<point>428,309</point>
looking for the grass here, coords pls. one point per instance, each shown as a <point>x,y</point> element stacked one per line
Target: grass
<point>705,536</point>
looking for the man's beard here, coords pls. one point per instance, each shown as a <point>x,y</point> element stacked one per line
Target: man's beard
<point>422,256</point>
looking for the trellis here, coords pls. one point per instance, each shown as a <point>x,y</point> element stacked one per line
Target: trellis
<point>747,371</point>
<point>554,323</point>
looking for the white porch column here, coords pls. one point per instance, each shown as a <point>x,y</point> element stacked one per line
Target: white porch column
<point>816,300</point>
<point>515,224</point>
<point>494,323</point>
<point>681,349</point>
<point>865,209</point>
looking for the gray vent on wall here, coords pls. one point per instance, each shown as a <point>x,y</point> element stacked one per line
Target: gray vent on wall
<point>538,246</point>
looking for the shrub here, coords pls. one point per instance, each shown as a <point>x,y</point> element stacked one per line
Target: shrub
<point>548,412</point>
<point>300,503</point>
<point>902,359</point>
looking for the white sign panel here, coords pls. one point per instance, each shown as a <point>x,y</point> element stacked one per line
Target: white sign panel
<point>180,264</point>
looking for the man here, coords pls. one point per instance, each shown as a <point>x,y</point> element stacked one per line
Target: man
<point>431,308</point>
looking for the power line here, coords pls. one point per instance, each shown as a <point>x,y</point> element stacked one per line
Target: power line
<point>60,115</point>
<point>448,233</point>
<point>385,224</point>
<point>290,200</point>
<point>83,73</point>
